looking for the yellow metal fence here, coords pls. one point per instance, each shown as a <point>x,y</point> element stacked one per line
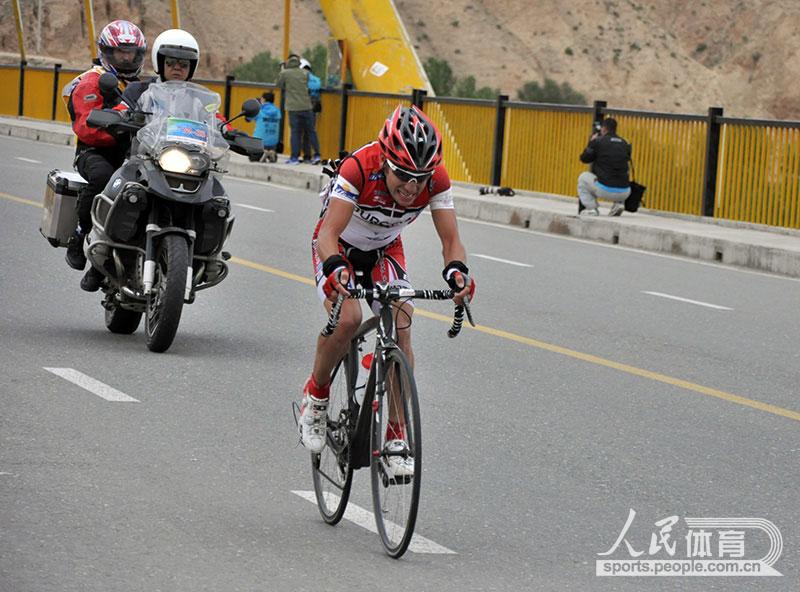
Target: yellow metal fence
<point>669,158</point>
<point>758,174</point>
<point>758,171</point>
<point>541,148</point>
<point>366,113</point>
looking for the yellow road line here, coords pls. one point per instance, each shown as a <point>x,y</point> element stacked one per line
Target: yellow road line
<point>274,271</point>
<point>28,202</point>
<point>685,384</point>
<point>557,349</point>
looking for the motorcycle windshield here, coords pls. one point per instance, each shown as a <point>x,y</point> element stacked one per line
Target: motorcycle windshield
<point>182,113</point>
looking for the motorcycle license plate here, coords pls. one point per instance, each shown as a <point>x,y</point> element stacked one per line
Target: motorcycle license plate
<point>187,131</point>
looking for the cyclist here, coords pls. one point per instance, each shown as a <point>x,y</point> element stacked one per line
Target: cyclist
<point>378,190</point>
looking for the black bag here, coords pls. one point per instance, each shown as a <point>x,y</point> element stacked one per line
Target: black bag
<point>635,199</point>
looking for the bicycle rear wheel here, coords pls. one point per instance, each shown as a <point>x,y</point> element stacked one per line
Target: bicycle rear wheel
<point>331,469</point>
<point>396,498</point>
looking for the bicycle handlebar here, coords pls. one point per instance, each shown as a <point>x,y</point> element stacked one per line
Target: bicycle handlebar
<point>388,294</point>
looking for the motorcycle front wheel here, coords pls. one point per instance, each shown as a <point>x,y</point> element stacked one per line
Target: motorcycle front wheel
<point>165,301</point>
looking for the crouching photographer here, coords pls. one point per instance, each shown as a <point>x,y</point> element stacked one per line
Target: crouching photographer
<point>607,178</point>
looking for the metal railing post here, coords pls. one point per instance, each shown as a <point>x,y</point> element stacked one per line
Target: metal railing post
<point>418,97</point>
<point>228,81</point>
<point>21,105</point>
<point>499,139</point>
<point>712,158</point>
<point>56,72</point>
<point>599,107</point>
<point>346,87</point>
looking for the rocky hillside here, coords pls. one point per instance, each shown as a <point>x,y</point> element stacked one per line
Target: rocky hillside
<point>678,56</point>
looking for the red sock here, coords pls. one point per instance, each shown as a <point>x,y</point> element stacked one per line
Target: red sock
<point>315,390</point>
<point>394,431</point>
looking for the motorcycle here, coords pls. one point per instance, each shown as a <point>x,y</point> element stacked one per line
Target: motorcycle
<point>160,224</point>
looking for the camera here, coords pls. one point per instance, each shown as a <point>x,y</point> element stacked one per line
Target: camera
<point>596,127</point>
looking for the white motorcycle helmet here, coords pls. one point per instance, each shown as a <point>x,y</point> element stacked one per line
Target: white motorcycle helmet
<point>175,43</point>
<point>304,64</point>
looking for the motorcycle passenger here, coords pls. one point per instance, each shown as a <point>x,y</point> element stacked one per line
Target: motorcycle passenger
<point>175,55</point>
<point>379,189</point>
<point>120,50</point>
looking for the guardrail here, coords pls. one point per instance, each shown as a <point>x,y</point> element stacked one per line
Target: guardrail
<point>705,165</point>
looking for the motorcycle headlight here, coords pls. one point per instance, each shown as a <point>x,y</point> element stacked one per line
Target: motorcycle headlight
<point>175,160</point>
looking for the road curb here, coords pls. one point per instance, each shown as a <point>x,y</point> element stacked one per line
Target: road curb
<point>775,250</point>
<point>36,133</point>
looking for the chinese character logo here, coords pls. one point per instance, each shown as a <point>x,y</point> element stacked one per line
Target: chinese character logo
<point>709,547</point>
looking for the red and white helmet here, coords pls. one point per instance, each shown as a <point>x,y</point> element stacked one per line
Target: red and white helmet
<point>410,141</point>
<point>121,34</point>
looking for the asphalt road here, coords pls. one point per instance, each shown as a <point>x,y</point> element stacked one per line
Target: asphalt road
<point>600,380</point>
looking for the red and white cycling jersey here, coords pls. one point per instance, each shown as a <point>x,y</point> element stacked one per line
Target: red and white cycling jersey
<point>377,219</point>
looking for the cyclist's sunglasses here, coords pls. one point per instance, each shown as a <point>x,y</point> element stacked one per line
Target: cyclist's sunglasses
<point>405,176</point>
<point>177,62</point>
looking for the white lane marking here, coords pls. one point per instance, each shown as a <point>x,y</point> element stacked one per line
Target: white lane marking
<point>697,302</point>
<point>93,386</point>
<point>23,159</point>
<point>490,258</point>
<point>366,520</point>
<point>253,207</point>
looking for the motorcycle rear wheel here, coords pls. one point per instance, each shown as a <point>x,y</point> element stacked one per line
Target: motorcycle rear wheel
<point>165,302</point>
<point>121,321</point>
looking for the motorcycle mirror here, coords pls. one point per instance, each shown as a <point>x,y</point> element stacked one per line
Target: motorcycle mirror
<point>251,108</point>
<point>108,84</point>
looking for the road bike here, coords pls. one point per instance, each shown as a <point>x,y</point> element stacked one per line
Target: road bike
<point>358,420</point>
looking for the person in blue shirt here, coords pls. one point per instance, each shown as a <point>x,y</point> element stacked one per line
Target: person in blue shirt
<point>268,123</point>
<point>314,87</point>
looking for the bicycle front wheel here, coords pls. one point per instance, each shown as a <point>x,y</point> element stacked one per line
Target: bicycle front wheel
<point>396,446</point>
<point>331,469</point>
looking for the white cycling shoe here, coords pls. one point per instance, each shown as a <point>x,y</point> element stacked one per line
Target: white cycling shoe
<point>312,423</point>
<point>398,465</point>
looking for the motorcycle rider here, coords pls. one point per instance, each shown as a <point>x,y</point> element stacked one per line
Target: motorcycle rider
<point>175,54</point>
<point>120,50</point>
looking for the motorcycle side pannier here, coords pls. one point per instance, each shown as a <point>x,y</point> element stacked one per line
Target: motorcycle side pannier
<point>60,217</point>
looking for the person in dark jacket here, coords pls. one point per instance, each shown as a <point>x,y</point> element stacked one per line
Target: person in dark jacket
<point>120,50</point>
<point>311,152</point>
<point>608,155</point>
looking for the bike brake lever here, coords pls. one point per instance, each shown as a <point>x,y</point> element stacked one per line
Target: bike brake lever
<point>468,311</point>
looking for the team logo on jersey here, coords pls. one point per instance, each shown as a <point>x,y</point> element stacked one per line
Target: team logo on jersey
<point>376,176</point>
<point>382,198</point>
<point>345,189</point>
<point>90,97</point>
